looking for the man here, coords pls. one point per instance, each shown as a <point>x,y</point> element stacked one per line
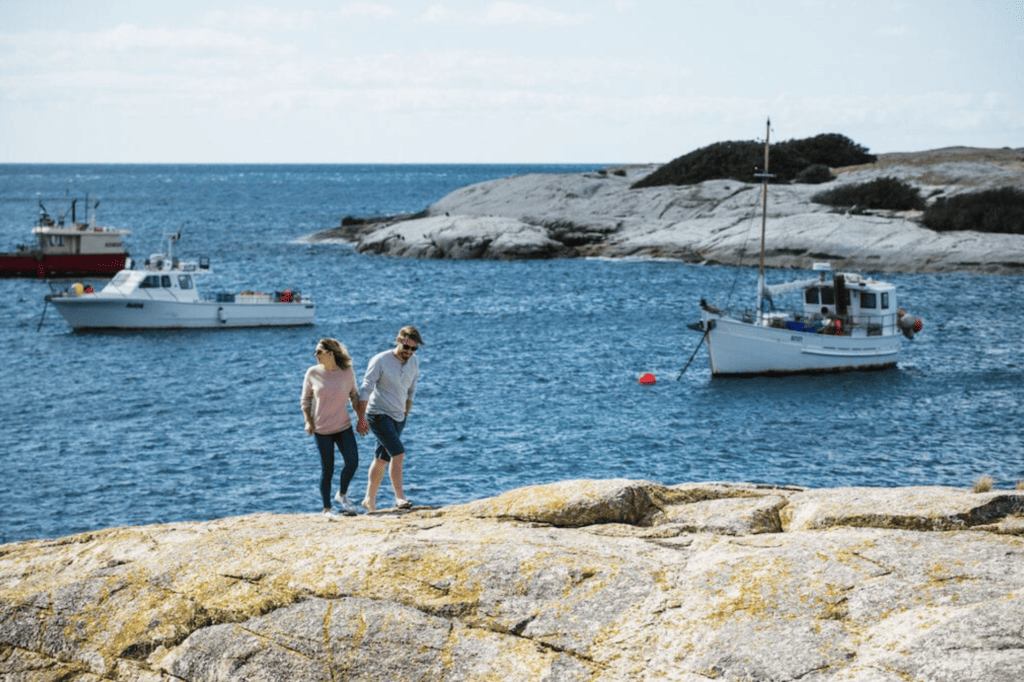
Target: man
<point>388,388</point>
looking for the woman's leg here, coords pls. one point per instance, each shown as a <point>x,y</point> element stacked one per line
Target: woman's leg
<point>350,451</point>
<point>325,444</point>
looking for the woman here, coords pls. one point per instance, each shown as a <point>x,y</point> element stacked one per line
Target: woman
<point>324,390</point>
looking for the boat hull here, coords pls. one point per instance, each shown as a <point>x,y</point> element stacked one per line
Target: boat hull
<point>738,348</point>
<point>42,266</point>
<point>94,312</point>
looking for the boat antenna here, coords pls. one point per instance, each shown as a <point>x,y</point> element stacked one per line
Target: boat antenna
<point>764,215</point>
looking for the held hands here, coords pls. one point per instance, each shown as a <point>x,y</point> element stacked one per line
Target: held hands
<point>362,427</point>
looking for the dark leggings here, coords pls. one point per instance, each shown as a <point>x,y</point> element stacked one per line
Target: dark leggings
<point>346,441</point>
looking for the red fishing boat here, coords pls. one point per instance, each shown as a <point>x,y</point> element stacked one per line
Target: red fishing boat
<point>67,250</point>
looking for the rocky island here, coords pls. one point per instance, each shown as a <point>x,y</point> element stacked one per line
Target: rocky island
<point>598,580</point>
<point>601,214</point>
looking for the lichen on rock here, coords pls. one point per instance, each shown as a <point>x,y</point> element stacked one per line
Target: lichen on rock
<point>578,580</point>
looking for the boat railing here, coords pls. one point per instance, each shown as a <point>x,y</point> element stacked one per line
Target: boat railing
<point>875,325</point>
<point>799,320</point>
<point>250,297</point>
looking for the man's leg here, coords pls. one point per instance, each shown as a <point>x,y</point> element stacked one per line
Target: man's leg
<point>395,472</point>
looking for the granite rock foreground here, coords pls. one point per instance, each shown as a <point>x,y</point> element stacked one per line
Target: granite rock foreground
<point>580,580</point>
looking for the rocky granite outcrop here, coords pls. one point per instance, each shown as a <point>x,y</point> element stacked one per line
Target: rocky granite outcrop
<point>611,580</point>
<point>599,214</point>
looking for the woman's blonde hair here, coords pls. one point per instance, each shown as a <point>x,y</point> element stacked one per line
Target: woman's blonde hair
<point>337,348</point>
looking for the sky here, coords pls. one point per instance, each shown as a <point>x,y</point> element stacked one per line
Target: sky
<point>496,81</point>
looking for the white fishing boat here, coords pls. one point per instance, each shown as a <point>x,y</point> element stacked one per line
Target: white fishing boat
<point>164,295</point>
<point>845,322</point>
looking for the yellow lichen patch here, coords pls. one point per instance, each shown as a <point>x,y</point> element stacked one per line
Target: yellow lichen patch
<point>754,588</point>
<point>486,656</point>
<point>445,580</point>
<point>830,603</point>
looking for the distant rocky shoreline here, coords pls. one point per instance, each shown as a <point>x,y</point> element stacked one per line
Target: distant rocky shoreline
<point>598,215</point>
<point>611,580</point>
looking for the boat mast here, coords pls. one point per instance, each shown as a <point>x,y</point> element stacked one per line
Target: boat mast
<point>764,215</point>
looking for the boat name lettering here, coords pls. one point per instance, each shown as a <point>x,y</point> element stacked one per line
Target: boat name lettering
<point>135,305</point>
<point>794,337</point>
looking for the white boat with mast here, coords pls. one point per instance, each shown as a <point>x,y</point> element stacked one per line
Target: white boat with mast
<point>163,295</point>
<point>846,322</point>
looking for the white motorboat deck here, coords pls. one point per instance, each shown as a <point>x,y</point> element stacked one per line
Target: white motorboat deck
<point>164,296</point>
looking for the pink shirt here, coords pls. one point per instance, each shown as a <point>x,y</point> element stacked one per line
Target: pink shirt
<point>326,394</point>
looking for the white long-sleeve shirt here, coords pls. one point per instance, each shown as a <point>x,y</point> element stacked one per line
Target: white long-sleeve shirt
<point>388,384</point>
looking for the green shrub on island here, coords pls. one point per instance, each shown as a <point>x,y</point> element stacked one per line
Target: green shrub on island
<point>884,193</point>
<point>996,210</point>
<point>815,175</point>
<point>742,160</point>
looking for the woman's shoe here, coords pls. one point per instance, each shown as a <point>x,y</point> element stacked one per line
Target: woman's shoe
<point>403,503</point>
<point>347,507</point>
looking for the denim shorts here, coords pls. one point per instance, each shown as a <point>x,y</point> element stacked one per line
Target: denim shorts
<point>389,436</point>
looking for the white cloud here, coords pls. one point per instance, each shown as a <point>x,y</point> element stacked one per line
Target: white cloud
<point>521,13</point>
<point>129,36</point>
<point>439,14</point>
<point>274,18</point>
<point>503,13</point>
<point>891,31</point>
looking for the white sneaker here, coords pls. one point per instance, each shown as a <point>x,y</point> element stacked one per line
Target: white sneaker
<point>329,514</point>
<point>402,503</point>
<point>346,505</point>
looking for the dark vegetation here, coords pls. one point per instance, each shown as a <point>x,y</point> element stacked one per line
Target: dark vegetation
<point>995,210</point>
<point>806,160</point>
<point>884,193</point>
<point>809,161</point>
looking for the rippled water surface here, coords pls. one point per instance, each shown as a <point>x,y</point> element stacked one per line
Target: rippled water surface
<point>529,374</point>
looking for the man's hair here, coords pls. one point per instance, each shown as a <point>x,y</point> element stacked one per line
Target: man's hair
<point>412,333</point>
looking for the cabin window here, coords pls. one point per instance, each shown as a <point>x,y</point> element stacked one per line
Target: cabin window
<point>121,278</point>
<point>811,296</point>
<point>828,296</point>
<point>165,281</point>
<point>885,300</point>
<point>868,299</point>
<point>151,282</point>
<point>184,281</point>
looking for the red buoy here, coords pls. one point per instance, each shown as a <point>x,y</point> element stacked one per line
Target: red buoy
<point>647,378</point>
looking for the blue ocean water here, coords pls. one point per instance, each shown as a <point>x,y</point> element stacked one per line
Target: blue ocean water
<point>528,375</point>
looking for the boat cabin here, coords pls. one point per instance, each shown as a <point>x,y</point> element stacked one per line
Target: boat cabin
<point>76,239</point>
<point>845,303</point>
<point>163,279</point>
